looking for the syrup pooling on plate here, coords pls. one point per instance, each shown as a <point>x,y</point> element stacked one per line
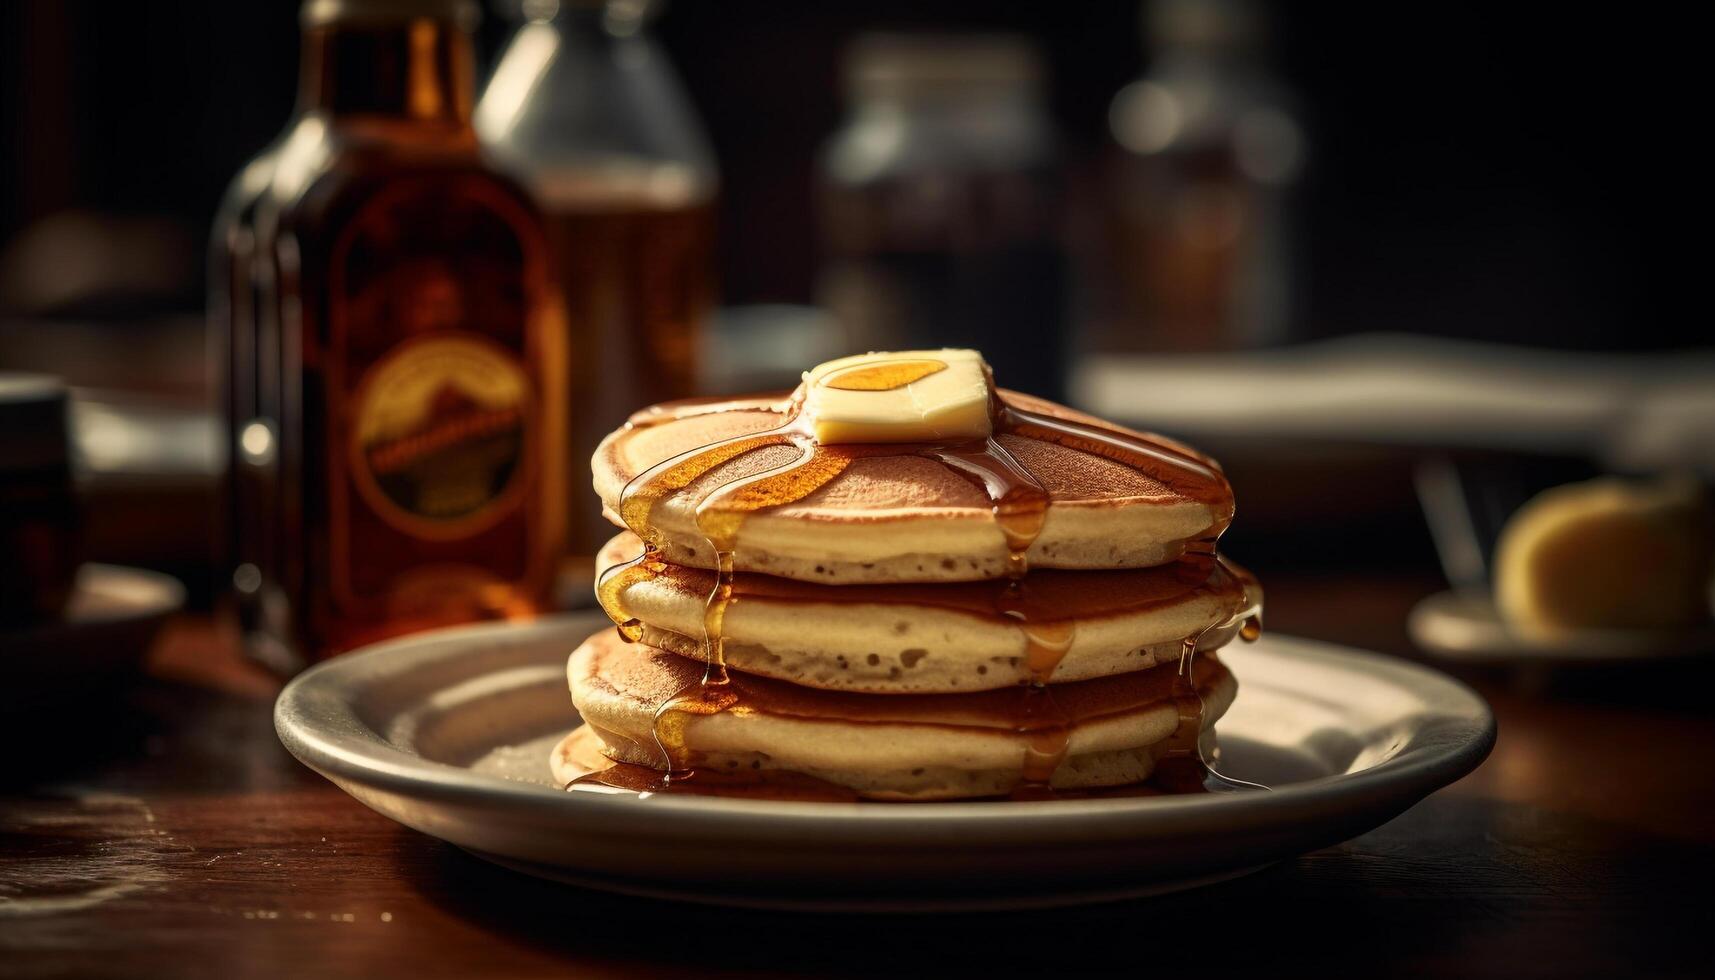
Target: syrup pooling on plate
<point>764,784</point>
<point>605,775</point>
<point>1018,502</point>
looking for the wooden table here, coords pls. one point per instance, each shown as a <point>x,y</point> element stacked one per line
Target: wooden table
<point>170,835</point>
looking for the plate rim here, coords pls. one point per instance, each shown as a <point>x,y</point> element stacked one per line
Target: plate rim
<point>1446,745</point>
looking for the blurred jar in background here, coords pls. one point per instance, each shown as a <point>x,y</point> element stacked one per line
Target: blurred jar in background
<point>1197,239</point>
<point>584,106</point>
<point>390,320</point>
<point>940,205</point>
<point>38,510</point>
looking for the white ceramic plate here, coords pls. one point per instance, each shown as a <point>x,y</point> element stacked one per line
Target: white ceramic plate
<point>1466,627</point>
<point>449,732</point>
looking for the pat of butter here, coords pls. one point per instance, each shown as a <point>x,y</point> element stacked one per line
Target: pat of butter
<point>1607,554</point>
<point>899,396</point>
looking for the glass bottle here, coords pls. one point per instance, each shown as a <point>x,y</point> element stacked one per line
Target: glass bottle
<point>409,348</point>
<point>940,205</point>
<point>38,508</point>
<point>585,107</point>
<point>1212,145</point>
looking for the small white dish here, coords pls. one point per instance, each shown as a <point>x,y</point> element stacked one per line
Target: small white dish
<point>1467,628</point>
<point>449,732</point>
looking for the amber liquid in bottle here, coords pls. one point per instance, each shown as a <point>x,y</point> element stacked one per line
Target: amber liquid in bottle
<point>634,267</point>
<point>1180,239</point>
<point>418,476</point>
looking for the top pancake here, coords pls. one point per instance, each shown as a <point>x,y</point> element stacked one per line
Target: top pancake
<point>909,518</point>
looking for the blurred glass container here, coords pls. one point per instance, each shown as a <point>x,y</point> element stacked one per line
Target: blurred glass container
<point>940,205</point>
<point>584,106</point>
<point>388,316</point>
<point>38,513</point>
<point>764,346</point>
<point>243,354</point>
<point>1197,240</point>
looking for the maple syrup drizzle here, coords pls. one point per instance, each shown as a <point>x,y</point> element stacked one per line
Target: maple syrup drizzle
<point>1181,764</point>
<point>1018,502</point>
<point>1044,597</point>
<point>1017,499</point>
<point>614,580</point>
<point>994,710</point>
<point>1185,474</point>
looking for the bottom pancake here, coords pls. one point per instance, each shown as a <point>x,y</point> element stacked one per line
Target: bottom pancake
<point>889,747</point>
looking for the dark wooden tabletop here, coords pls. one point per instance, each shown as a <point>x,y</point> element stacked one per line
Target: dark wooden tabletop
<point>167,834</point>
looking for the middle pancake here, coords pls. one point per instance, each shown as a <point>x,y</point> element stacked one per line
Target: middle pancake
<point>941,637</point>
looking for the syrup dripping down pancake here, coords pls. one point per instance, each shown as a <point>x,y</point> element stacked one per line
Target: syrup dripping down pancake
<point>936,638</point>
<point>901,515</point>
<point>933,746</point>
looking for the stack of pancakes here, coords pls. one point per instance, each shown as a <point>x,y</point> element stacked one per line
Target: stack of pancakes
<point>870,637</point>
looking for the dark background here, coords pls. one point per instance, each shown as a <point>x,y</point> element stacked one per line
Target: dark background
<point>1505,172</point>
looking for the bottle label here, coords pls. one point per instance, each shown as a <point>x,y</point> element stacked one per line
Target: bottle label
<point>438,435</point>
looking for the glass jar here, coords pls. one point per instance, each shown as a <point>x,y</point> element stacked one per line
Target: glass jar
<point>940,205</point>
<point>38,510</point>
<point>1198,244</point>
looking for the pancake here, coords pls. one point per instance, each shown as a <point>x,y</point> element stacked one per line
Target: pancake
<point>895,514</point>
<point>936,638</point>
<point>916,747</point>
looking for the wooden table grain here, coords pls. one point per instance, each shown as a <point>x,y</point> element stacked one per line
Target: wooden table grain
<point>167,834</point>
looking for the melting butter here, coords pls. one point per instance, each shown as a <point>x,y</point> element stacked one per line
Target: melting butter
<point>899,396</point>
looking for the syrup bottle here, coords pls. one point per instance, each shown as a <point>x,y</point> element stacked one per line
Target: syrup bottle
<point>407,345</point>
